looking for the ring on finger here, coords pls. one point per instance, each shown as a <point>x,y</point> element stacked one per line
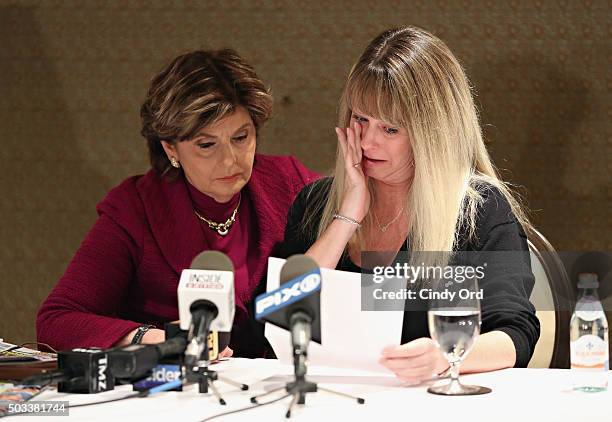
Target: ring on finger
<point>357,164</point>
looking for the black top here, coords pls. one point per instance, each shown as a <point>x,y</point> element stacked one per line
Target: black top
<point>508,284</point>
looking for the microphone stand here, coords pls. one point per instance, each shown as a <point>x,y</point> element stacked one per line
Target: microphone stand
<point>197,357</point>
<point>300,323</point>
<point>206,378</point>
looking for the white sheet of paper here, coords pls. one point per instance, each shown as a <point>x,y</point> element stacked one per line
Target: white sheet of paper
<point>351,338</point>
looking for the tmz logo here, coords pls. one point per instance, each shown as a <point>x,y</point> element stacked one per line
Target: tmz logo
<point>102,364</point>
<point>204,281</point>
<point>288,294</point>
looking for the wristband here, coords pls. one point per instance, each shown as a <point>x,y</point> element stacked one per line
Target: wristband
<point>140,333</point>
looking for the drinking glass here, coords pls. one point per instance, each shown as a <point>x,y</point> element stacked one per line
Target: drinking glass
<point>454,324</point>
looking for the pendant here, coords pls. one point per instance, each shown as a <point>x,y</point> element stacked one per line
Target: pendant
<point>222,231</point>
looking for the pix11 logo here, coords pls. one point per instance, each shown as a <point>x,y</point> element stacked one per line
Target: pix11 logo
<point>289,292</point>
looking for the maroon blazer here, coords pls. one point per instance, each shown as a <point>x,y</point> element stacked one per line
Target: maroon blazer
<point>126,271</point>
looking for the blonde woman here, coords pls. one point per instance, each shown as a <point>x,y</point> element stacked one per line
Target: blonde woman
<point>413,174</point>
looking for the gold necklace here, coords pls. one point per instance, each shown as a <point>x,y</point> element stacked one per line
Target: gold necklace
<point>383,227</point>
<point>221,228</point>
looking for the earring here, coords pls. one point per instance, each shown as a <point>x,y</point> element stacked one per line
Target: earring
<point>174,162</point>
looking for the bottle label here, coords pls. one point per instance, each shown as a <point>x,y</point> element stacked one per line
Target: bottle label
<point>589,352</point>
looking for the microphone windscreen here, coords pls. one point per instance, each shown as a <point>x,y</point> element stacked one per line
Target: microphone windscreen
<point>296,266</point>
<point>299,292</point>
<point>212,261</point>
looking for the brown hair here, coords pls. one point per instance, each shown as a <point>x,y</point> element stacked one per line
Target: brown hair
<point>195,90</point>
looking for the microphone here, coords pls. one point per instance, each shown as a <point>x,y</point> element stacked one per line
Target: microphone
<point>295,305</point>
<point>206,302</point>
<point>80,370</point>
<point>137,360</point>
<point>48,378</point>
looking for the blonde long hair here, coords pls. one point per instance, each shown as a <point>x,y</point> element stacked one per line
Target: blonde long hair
<point>409,78</point>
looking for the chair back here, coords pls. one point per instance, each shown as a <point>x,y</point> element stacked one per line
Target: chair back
<point>550,295</point>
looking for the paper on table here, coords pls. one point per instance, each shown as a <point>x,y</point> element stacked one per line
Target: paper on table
<point>351,338</point>
<point>24,352</point>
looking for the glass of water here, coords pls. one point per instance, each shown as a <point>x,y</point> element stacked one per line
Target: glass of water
<point>454,324</point>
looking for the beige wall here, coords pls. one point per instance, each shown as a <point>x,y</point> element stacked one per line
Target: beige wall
<point>73,74</point>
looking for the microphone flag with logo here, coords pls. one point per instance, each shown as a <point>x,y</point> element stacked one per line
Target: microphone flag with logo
<point>299,292</point>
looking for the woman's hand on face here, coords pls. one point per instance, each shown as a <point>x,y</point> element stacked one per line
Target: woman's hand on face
<point>414,362</point>
<point>356,199</point>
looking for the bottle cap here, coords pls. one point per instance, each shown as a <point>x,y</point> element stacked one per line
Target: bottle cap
<point>587,281</point>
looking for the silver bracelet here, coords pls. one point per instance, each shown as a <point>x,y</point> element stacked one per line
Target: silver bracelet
<point>347,219</point>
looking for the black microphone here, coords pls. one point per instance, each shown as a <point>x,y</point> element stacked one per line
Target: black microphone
<point>295,306</point>
<point>136,361</point>
<point>206,302</point>
<point>84,371</point>
<point>48,378</point>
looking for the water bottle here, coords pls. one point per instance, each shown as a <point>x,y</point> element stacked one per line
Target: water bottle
<point>589,338</point>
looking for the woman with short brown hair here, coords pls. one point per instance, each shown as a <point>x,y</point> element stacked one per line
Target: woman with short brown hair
<point>207,190</point>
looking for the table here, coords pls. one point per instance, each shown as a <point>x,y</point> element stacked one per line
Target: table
<point>522,395</point>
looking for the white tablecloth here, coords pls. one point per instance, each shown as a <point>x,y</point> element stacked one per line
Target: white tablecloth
<point>522,395</point>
